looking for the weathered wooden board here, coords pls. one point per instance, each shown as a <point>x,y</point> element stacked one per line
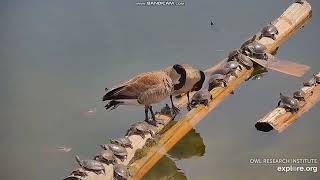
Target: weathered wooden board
<point>279,119</point>
<point>183,126</point>
<point>297,14</point>
<point>289,22</point>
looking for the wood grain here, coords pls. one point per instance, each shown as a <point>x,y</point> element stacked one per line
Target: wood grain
<point>297,14</point>
<point>279,119</point>
<point>289,22</point>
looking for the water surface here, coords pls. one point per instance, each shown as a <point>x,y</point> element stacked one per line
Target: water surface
<point>58,56</point>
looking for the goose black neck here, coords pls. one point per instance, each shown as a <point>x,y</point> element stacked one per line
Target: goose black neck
<point>182,79</point>
<point>199,84</point>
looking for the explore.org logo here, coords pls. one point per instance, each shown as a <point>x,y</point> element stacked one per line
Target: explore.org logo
<point>288,164</point>
<point>160,3</point>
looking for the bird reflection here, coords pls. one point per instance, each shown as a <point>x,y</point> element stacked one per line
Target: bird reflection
<point>191,145</point>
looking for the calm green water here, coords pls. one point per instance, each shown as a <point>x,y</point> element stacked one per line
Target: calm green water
<point>58,56</point>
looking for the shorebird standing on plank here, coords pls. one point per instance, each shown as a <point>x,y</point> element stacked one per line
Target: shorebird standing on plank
<point>147,89</point>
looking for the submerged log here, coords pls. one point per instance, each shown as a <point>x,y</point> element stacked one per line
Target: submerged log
<point>290,21</point>
<point>279,119</point>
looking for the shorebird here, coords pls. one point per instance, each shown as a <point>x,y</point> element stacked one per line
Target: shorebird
<point>147,89</point>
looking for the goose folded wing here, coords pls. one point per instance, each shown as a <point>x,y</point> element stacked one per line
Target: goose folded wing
<point>134,87</point>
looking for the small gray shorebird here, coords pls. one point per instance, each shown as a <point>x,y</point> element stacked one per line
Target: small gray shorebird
<point>147,89</point>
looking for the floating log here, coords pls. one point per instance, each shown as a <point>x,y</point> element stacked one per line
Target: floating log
<point>279,119</point>
<point>289,22</point>
<point>137,142</point>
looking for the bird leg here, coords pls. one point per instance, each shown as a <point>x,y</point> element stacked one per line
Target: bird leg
<point>188,105</point>
<point>153,120</point>
<point>174,110</point>
<point>146,110</point>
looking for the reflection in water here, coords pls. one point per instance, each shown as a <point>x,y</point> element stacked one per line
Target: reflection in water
<point>64,149</point>
<point>189,146</point>
<point>58,56</point>
<point>165,169</point>
<point>258,73</point>
<point>90,113</point>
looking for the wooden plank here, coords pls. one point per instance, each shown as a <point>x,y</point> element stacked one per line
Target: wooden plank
<point>183,126</point>
<point>137,141</point>
<point>279,119</point>
<point>175,133</point>
<point>298,15</point>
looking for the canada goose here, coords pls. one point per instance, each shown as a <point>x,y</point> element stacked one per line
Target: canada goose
<point>193,82</point>
<point>147,89</point>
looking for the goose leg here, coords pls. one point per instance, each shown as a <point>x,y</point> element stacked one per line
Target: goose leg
<point>174,109</point>
<point>146,110</point>
<point>188,106</point>
<point>153,120</point>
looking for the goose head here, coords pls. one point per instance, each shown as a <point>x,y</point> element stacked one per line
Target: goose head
<point>179,71</point>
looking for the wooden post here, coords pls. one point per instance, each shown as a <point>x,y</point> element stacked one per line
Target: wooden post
<point>290,21</point>
<point>279,119</point>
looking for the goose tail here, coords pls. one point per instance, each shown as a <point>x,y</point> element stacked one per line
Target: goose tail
<point>113,105</point>
<point>116,103</point>
<point>112,94</point>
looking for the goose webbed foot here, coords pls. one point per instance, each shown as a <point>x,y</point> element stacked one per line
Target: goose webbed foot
<point>174,111</point>
<point>154,122</point>
<point>189,107</point>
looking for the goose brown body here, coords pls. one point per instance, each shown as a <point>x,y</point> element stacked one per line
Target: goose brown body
<point>146,89</point>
